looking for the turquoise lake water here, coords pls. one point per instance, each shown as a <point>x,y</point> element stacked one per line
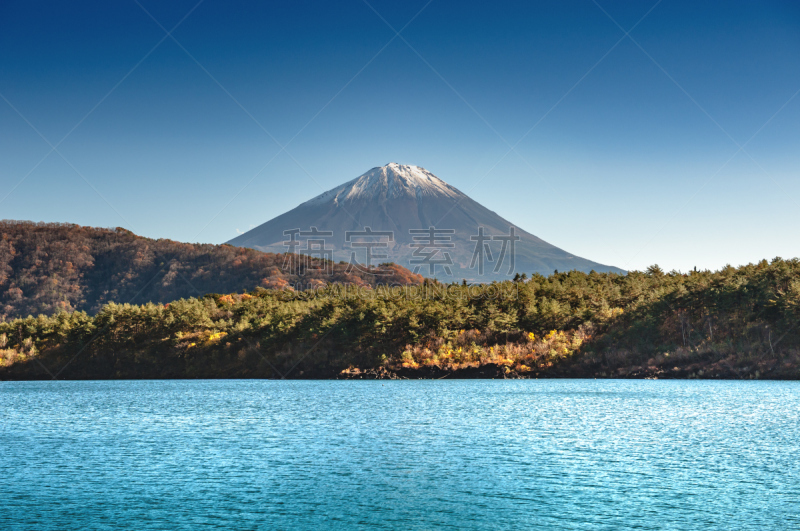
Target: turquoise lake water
<point>511,454</point>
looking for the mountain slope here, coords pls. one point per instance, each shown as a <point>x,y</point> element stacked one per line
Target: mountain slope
<point>48,267</point>
<point>401,198</point>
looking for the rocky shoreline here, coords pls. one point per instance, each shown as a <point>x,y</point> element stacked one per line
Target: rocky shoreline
<point>720,370</point>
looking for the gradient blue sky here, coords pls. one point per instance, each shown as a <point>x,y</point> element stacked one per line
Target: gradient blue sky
<point>626,150</point>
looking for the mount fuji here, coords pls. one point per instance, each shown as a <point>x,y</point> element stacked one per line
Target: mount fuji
<point>425,225</point>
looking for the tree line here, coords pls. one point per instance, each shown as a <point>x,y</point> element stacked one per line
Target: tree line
<point>737,322</point>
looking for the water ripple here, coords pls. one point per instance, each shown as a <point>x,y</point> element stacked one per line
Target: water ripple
<point>566,454</point>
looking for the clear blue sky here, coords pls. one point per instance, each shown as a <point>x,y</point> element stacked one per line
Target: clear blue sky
<point>626,150</point>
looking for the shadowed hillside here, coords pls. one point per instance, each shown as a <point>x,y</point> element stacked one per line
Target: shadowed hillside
<point>50,267</point>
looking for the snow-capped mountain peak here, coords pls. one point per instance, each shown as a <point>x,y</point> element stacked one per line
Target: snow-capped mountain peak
<point>392,181</point>
<point>408,202</point>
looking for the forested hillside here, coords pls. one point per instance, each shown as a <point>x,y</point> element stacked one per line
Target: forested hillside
<point>734,323</point>
<point>50,267</point>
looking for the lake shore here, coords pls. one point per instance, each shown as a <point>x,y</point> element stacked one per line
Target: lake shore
<point>719,370</point>
<point>123,368</point>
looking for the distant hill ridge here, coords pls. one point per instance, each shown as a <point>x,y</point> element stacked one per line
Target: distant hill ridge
<point>48,267</point>
<point>400,198</point>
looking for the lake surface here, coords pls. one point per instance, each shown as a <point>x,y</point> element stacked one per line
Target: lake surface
<point>512,454</point>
